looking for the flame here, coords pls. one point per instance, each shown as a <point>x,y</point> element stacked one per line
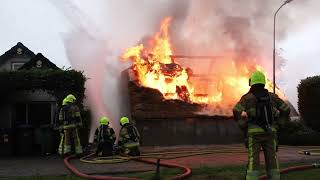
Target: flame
<point>154,67</point>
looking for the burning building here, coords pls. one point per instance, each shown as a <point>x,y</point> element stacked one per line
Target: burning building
<point>173,104</point>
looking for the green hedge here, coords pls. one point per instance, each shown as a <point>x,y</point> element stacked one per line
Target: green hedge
<point>59,83</point>
<point>309,101</point>
<point>297,133</point>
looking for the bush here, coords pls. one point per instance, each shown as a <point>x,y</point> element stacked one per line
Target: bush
<point>297,133</point>
<point>309,101</point>
<point>59,83</point>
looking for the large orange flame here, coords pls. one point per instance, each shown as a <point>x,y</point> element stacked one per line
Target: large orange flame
<point>155,68</point>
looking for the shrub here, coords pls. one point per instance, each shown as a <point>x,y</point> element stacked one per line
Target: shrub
<point>59,83</point>
<point>309,101</point>
<point>297,133</point>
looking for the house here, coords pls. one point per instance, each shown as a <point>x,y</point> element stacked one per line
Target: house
<point>24,115</point>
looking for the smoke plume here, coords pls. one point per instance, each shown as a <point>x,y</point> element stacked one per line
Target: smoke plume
<point>239,29</point>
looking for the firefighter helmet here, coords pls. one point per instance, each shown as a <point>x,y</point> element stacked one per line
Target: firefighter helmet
<point>70,98</point>
<point>124,120</point>
<point>104,121</point>
<point>257,77</point>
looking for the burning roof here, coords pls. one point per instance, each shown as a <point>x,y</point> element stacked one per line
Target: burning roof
<point>155,67</point>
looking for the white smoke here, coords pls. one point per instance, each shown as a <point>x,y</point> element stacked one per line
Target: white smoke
<point>91,47</point>
<point>102,30</point>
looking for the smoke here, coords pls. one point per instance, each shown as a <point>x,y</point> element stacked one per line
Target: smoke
<point>87,49</point>
<point>243,32</point>
<point>93,45</point>
<point>102,30</point>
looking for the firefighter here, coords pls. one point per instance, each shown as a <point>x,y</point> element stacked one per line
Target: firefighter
<point>104,137</point>
<point>129,138</point>
<point>69,122</point>
<point>265,113</point>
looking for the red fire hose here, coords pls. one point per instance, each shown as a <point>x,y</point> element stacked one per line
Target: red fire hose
<point>294,168</point>
<point>186,173</point>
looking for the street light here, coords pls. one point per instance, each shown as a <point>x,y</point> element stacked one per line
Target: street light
<point>274,44</point>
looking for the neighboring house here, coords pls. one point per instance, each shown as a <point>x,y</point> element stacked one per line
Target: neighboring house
<point>15,57</point>
<point>32,109</point>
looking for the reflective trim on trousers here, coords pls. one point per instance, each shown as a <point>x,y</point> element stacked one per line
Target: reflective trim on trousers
<point>275,154</point>
<point>252,175</point>
<point>77,144</point>
<point>259,130</point>
<point>131,144</point>
<point>69,126</point>
<point>250,154</point>
<point>61,145</point>
<point>66,149</point>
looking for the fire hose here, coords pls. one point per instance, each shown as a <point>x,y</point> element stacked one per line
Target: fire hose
<point>173,155</point>
<point>309,152</point>
<point>294,168</point>
<point>166,155</point>
<point>186,170</point>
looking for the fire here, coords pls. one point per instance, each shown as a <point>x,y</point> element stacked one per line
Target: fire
<point>155,68</point>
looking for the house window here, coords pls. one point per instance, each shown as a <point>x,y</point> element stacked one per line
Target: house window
<point>16,65</point>
<point>33,113</point>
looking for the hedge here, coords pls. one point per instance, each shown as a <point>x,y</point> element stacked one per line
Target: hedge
<point>309,101</point>
<point>59,83</point>
<point>297,133</point>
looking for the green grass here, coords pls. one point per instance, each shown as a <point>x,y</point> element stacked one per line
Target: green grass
<point>305,175</point>
<point>229,173</point>
<point>202,173</point>
<point>43,178</point>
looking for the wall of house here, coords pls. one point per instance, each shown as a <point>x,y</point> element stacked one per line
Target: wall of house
<point>189,131</point>
<point>8,64</point>
<point>39,96</point>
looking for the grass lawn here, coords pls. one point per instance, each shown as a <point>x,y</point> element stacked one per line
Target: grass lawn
<point>229,173</point>
<point>203,173</point>
<point>43,178</point>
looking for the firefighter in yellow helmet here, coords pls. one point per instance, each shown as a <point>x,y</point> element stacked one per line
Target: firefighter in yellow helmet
<point>69,121</point>
<point>105,137</point>
<point>265,112</point>
<point>129,138</point>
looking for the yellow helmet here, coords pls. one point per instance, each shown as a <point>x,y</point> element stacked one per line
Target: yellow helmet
<point>124,120</point>
<point>69,99</point>
<point>104,121</point>
<point>257,77</point>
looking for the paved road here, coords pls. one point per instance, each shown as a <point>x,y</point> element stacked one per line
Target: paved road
<point>53,165</point>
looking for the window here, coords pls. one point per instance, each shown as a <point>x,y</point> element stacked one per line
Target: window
<point>33,113</point>
<point>16,65</point>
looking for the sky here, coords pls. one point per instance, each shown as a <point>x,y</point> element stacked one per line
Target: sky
<point>41,25</point>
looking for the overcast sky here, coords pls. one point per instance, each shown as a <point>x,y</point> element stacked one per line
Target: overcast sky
<point>39,25</point>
